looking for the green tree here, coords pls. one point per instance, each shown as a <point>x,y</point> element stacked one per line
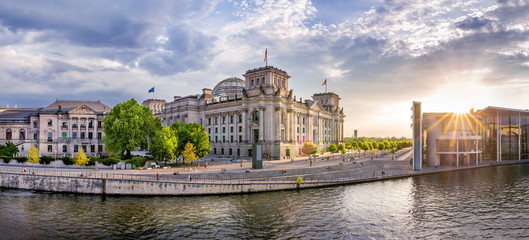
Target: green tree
<point>80,159</point>
<point>189,153</point>
<point>9,149</point>
<point>348,145</point>
<point>129,126</point>
<point>332,148</point>
<point>381,146</point>
<point>193,133</point>
<point>33,156</point>
<point>341,147</point>
<point>164,144</point>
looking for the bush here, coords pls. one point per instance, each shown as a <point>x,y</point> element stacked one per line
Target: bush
<point>67,160</point>
<point>92,161</point>
<point>45,159</point>
<point>6,159</point>
<point>109,161</point>
<point>21,159</point>
<point>138,161</point>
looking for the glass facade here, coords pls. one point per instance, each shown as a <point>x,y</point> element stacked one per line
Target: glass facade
<point>505,134</point>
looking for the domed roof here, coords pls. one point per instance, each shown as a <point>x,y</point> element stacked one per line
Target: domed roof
<point>229,87</point>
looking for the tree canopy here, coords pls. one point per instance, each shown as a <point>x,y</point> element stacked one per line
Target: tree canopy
<point>189,153</point>
<point>332,148</point>
<point>193,133</point>
<point>309,148</point>
<point>129,126</point>
<point>164,144</point>
<point>33,156</point>
<point>8,150</point>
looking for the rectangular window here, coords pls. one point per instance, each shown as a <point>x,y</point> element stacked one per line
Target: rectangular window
<point>63,135</point>
<point>84,148</point>
<point>99,124</point>
<point>230,151</point>
<point>50,148</point>
<point>64,125</point>
<point>75,148</point>
<point>223,138</point>
<point>90,135</point>
<point>223,129</point>
<point>100,148</point>
<point>216,121</point>
<point>231,119</point>
<point>240,128</point>
<point>223,120</point>
<point>50,122</point>
<point>298,129</point>
<point>209,130</point>
<point>231,129</point>
<point>209,121</point>
<point>214,150</point>
<point>82,135</point>
<point>35,124</point>
<point>231,138</point>
<point>74,135</point>
<point>35,136</point>
<point>64,148</point>
<point>99,136</point>
<point>240,118</point>
<point>92,148</point>
<point>222,151</point>
<point>240,138</point>
<point>90,124</point>
<point>216,130</point>
<point>216,138</point>
<point>50,137</point>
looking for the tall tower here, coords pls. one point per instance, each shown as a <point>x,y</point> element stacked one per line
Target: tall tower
<point>266,77</point>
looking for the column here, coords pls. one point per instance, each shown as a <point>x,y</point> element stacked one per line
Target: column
<point>244,126</point>
<point>261,124</point>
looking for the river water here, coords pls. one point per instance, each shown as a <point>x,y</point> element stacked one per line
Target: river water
<point>478,203</point>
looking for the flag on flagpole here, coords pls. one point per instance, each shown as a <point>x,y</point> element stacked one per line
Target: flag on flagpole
<point>325,82</point>
<point>266,54</point>
<point>151,90</point>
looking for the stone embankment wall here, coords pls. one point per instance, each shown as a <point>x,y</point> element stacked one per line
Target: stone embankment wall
<point>131,187</point>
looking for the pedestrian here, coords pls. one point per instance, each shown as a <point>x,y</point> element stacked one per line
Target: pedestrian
<point>189,178</point>
<point>241,163</point>
<point>157,176</point>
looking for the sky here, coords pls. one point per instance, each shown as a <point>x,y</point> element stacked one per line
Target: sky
<point>378,56</point>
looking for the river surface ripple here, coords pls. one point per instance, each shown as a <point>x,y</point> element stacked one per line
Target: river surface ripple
<point>470,204</point>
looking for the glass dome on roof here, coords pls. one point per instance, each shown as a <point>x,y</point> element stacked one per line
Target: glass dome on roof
<point>228,88</point>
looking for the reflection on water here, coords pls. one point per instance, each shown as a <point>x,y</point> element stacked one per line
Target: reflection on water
<point>479,203</point>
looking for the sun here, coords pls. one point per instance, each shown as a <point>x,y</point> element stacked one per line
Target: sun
<point>457,97</point>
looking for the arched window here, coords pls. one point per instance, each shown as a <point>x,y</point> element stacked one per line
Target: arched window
<point>262,81</point>
<point>255,116</point>
<point>251,83</point>
<point>9,134</point>
<point>22,134</point>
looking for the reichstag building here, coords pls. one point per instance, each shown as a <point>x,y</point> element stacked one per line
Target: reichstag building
<point>259,108</point>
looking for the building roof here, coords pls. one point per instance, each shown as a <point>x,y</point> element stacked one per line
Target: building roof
<point>229,87</point>
<point>501,109</point>
<point>16,113</point>
<point>67,105</point>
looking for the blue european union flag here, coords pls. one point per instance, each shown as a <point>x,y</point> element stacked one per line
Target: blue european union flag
<point>151,90</point>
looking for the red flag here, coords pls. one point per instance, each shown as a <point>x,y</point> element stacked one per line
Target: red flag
<point>266,53</point>
<point>325,83</point>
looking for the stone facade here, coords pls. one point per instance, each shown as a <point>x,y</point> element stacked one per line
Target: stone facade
<point>61,128</point>
<point>156,105</point>
<point>265,112</point>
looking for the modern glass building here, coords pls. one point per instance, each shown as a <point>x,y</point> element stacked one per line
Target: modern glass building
<point>490,134</point>
<point>504,133</point>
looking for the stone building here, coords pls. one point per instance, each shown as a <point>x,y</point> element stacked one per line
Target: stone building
<point>61,128</point>
<point>156,105</point>
<point>260,108</point>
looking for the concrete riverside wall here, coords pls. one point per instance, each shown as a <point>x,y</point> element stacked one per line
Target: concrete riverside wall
<point>131,187</point>
<point>51,183</point>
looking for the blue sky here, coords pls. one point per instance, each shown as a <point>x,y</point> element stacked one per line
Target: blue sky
<point>379,56</point>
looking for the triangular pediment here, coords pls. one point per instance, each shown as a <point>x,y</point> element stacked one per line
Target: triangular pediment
<point>83,109</point>
<point>316,106</point>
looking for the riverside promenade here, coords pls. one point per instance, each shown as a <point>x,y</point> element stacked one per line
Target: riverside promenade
<point>222,177</point>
